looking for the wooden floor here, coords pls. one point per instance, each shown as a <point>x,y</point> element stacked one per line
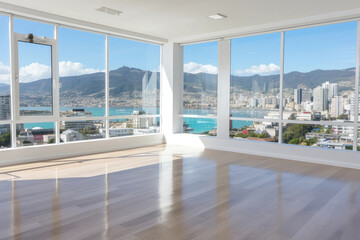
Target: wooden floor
<point>178,193</point>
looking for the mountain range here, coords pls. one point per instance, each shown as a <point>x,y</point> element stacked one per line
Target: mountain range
<point>127,80</point>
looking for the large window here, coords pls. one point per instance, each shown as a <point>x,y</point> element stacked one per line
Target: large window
<point>134,87</point>
<point>319,78</point>
<point>5,103</point>
<point>255,87</point>
<point>200,79</point>
<point>200,86</point>
<point>318,82</point>
<point>319,85</point>
<point>5,110</point>
<point>82,73</point>
<point>255,76</point>
<point>77,75</point>
<point>134,77</point>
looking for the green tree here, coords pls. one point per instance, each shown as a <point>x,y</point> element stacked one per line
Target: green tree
<point>263,135</point>
<point>329,130</point>
<point>294,141</point>
<point>292,116</point>
<point>296,131</point>
<point>343,116</point>
<point>5,139</point>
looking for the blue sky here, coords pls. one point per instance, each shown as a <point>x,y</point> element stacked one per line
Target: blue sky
<point>79,52</point>
<point>325,47</point>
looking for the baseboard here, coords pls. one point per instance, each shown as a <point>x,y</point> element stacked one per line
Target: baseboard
<point>332,157</point>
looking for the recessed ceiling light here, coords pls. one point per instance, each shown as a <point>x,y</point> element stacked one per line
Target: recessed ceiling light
<point>217,16</point>
<point>109,11</point>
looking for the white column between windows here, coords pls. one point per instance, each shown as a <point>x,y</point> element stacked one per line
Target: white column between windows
<point>171,88</point>
<point>223,98</point>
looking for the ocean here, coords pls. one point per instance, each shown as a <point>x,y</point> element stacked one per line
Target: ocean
<point>199,125</point>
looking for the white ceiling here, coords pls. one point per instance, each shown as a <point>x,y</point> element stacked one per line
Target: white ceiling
<point>175,19</point>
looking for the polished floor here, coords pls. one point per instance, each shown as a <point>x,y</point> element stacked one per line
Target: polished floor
<point>173,192</point>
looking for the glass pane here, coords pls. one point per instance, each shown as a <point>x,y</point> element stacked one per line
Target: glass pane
<point>82,72</point>
<point>29,134</point>
<point>36,28</point>
<point>133,126</point>
<point>320,72</point>
<point>200,126</point>
<point>258,131</point>
<point>134,77</point>
<point>81,130</point>
<point>200,78</point>
<point>5,136</point>
<point>5,109</point>
<point>324,136</point>
<point>35,79</point>
<point>255,78</point>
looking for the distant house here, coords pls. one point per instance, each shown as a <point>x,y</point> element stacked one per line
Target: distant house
<point>117,132</point>
<point>70,136</point>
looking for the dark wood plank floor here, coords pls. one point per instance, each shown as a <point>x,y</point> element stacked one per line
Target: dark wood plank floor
<point>172,192</point>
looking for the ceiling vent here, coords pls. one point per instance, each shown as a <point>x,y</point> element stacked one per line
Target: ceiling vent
<point>217,16</point>
<point>109,11</point>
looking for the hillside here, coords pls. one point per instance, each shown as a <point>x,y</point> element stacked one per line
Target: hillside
<point>127,79</point>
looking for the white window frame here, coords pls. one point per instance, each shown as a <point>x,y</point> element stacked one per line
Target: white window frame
<point>223,94</point>
<point>19,37</point>
<point>55,116</point>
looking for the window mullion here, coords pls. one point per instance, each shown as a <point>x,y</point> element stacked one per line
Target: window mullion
<point>281,107</point>
<point>356,95</point>
<point>13,86</point>
<point>107,73</point>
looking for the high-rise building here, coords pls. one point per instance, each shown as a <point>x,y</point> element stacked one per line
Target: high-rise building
<point>298,95</point>
<point>5,113</point>
<point>352,107</point>
<point>253,102</point>
<point>306,95</point>
<point>336,106</point>
<point>321,101</point>
<point>332,89</point>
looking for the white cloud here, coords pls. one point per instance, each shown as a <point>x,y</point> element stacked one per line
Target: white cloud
<point>68,68</point>
<point>37,71</point>
<point>4,73</point>
<point>261,69</point>
<point>34,71</point>
<point>193,67</point>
